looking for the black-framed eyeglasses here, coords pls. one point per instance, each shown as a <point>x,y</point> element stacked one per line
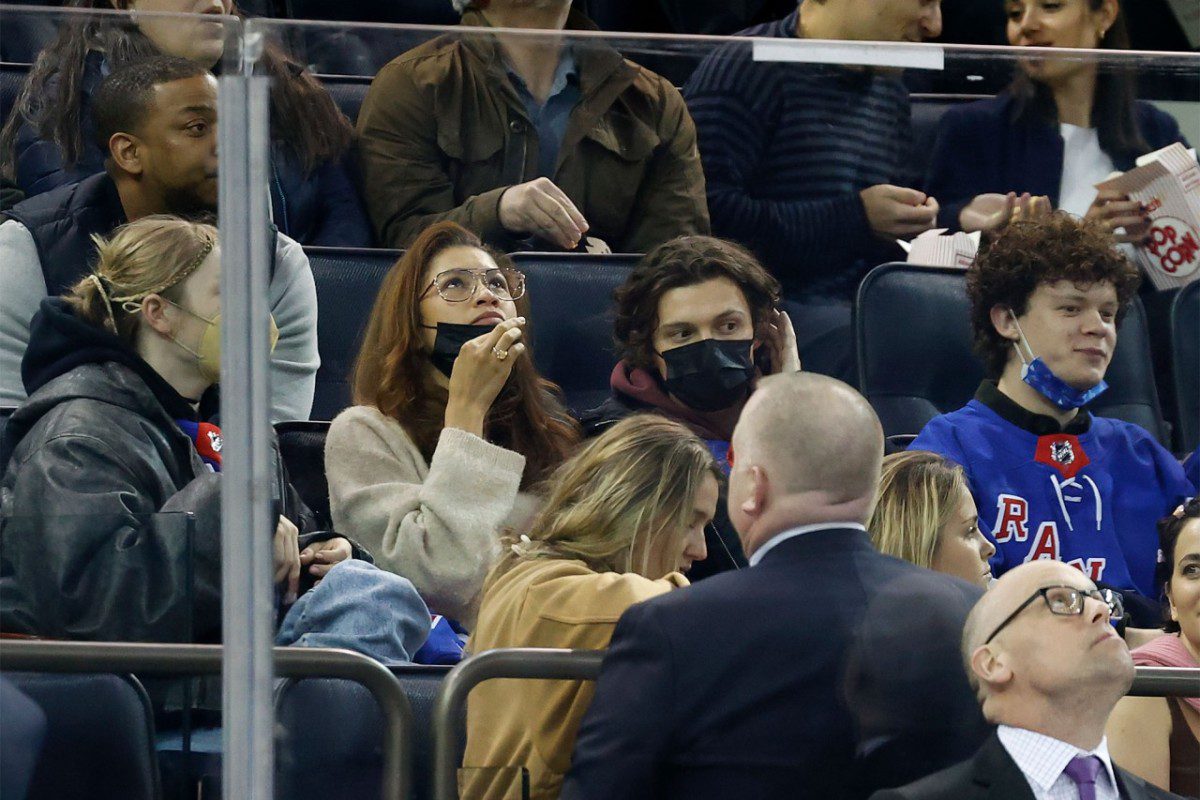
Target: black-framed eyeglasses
<point>461,284</point>
<point>1067,601</point>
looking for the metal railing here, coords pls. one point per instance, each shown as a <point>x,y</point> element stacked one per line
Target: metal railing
<point>199,659</point>
<point>515,662</point>
<point>1165,682</point>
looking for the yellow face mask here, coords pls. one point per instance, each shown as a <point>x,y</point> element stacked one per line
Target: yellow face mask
<point>208,356</point>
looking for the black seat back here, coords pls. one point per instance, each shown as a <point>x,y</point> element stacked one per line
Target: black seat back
<point>336,724</point>
<point>1185,355</point>
<point>302,447</point>
<point>348,91</point>
<point>347,281</point>
<point>99,742</point>
<point>570,298</point>
<point>913,333</point>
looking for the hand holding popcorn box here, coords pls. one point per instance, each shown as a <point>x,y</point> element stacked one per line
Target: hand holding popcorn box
<point>936,249</point>
<point>1167,183</point>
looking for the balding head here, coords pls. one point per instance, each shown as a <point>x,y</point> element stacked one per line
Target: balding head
<point>1040,660</point>
<point>807,449</point>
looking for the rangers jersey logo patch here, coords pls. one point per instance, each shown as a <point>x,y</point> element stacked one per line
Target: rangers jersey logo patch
<point>1063,452</point>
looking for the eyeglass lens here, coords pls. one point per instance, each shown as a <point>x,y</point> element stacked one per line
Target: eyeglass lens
<point>457,285</point>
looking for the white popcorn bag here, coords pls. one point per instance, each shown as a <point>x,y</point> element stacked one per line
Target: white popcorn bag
<point>935,248</point>
<point>1167,183</point>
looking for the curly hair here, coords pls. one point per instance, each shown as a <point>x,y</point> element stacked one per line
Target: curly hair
<point>1030,253</point>
<point>685,261</point>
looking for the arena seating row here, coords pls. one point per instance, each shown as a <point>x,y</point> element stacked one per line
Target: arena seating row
<point>348,92</point>
<point>913,364</point>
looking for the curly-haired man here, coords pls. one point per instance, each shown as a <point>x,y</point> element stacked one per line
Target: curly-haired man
<point>1050,480</point>
<point>697,324</point>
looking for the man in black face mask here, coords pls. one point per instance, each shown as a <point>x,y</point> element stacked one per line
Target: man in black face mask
<point>696,326</point>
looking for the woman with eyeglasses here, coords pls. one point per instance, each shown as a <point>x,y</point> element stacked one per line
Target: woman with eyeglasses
<point>1158,738</point>
<point>452,424</point>
<point>622,520</point>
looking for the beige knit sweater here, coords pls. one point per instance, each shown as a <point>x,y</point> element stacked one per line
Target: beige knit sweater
<point>438,523</point>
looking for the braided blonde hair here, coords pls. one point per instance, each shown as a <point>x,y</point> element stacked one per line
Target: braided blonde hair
<point>152,255</point>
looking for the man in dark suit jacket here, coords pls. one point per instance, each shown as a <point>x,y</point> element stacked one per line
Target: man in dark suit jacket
<point>1048,668</point>
<point>824,670</point>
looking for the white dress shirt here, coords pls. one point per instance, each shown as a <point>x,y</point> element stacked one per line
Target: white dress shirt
<point>1042,760</point>
<point>803,529</point>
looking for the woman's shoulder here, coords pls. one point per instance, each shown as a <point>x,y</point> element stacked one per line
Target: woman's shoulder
<point>1157,126</point>
<point>570,592</point>
<point>990,112</point>
<point>366,426</point>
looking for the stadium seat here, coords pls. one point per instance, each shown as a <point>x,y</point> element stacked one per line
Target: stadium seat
<point>927,111</point>
<point>302,446</point>
<point>570,298</point>
<point>347,281</point>
<point>99,741</point>
<point>913,334</point>
<point>347,91</point>
<point>331,735</point>
<point>1185,357</point>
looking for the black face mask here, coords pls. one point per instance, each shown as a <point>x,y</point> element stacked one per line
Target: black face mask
<point>451,336</point>
<point>710,375</point>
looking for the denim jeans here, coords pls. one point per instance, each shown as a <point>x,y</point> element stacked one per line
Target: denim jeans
<point>362,608</point>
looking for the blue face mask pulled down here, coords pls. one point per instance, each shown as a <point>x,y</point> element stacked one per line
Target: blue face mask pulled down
<point>1043,381</point>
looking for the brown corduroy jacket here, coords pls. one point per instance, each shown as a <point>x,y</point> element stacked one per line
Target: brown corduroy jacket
<point>442,133</point>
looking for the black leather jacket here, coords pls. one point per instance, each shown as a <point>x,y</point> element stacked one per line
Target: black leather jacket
<point>93,465</point>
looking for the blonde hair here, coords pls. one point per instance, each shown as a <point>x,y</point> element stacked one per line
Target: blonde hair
<point>624,489</point>
<point>152,255</point>
<point>919,493</point>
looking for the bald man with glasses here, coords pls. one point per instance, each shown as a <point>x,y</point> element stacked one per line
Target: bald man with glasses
<point>1048,667</point>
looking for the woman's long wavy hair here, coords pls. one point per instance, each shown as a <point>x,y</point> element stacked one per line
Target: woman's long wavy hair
<point>625,489</point>
<point>919,494</point>
<point>303,115</point>
<point>392,369</point>
<point>1112,101</point>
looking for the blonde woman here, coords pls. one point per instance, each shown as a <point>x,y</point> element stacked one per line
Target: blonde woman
<point>622,520</point>
<point>925,515</point>
<point>109,451</point>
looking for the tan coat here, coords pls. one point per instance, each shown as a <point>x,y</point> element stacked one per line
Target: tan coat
<point>442,133</point>
<point>437,524</point>
<point>510,723</point>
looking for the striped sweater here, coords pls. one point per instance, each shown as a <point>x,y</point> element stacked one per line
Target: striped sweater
<point>787,148</point>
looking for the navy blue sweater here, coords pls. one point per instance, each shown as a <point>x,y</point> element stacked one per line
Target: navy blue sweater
<point>787,148</point>
<point>321,208</point>
<point>984,147</point>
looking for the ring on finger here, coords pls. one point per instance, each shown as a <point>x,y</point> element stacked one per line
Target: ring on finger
<point>499,354</point>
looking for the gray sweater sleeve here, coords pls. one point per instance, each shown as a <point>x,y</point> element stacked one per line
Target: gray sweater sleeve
<point>22,288</point>
<point>293,298</point>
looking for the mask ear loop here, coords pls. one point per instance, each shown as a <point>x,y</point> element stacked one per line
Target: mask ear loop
<point>1022,341</point>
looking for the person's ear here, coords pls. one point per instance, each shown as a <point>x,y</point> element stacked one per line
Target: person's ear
<point>990,666</point>
<point>1105,16</point>
<point>1171,603</point>
<point>1005,323</point>
<point>154,315</point>
<point>126,152</point>
<point>756,499</point>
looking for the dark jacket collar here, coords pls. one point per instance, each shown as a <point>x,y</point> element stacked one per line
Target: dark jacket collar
<point>1010,411</point>
<point>996,772</point>
<point>596,61</point>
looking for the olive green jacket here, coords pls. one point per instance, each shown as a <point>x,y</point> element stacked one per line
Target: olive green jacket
<point>442,133</point>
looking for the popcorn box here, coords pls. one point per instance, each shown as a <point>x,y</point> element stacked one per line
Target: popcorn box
<point>1167,182</point>
<point>934,248</point>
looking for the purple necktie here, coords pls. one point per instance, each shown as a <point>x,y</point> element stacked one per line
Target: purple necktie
<point>1083,770</point>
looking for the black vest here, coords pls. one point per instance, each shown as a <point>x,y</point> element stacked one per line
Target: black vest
<point>63,220</point>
